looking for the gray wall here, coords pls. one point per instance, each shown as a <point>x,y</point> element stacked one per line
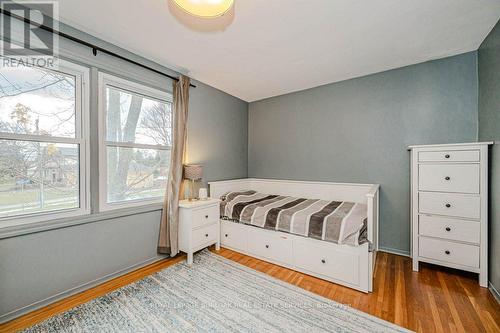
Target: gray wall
<point>38,266</point>
<point>358,131</point>
<point>218,134</point>
<point>489,130</point>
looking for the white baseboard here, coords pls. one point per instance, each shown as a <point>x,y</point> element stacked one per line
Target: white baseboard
<point>394,251</point>
<point>75,290</point>
<point>495,292</point>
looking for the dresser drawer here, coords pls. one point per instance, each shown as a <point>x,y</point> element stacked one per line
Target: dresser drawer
<point>455,253</point>
<point>233,236</point>
<point>449,228</point>
<point>270,245</point>
<point>205,216</point>
<point>449,156</point>
<point>463,178</point>
<point>205,235</point>
<point>451,204</point>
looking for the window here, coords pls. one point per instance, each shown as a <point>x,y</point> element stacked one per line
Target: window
<point>135,142</point>
<point>42,142</point>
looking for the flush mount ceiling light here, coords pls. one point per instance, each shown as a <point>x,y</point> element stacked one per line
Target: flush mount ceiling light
<point>205,8</point>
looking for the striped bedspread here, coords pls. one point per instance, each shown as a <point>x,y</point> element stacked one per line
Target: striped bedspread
<point>332,221</point>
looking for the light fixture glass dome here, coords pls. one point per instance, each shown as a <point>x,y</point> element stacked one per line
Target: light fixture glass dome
<point>205,8</point>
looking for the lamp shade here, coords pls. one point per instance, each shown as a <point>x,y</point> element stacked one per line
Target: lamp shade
<point>205,8</point>
<point>193,171</point>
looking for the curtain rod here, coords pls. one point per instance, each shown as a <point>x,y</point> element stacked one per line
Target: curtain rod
<point>94,48</point>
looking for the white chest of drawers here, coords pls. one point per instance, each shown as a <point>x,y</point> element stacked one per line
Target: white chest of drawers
<point>449,206</point>
<point>199,226</point>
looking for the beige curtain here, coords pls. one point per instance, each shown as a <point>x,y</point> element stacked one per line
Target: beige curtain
<point>169,226</point>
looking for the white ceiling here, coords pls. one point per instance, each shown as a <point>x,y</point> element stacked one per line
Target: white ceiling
<point>266,48</point>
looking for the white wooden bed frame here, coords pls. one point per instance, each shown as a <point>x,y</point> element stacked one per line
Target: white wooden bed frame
<point>351,266</point>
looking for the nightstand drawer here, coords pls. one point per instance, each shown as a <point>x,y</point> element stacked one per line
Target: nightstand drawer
<point>206,215</point>
<point>449,156</point>
<point>450,204</point>
<point>463,178</point>
<point>449,228</point>
<point>454,253</point>
<point>205,235</point>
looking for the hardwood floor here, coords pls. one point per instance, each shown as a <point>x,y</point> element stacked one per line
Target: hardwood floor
<point>434,300</point>
<point>48,311</point>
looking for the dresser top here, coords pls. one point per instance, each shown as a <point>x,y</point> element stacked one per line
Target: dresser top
<point>198,203</point>
<point>452,144</point>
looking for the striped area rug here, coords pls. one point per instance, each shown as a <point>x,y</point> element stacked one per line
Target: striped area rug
<point>213,295</point>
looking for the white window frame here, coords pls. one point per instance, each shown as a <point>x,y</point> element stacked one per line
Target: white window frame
<point>104,81</point>
<point>81,75</point>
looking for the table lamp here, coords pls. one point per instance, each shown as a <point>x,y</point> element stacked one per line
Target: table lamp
<point>193,172</point>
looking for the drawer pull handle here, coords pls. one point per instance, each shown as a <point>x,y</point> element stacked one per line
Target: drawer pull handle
<point>323,261</point>
<point>448,229</point>
<point>448,205</point>
<point>206,216</point>
<point>267,246</point>
<point>447,156</point>
<point>206,235</point>
<point>447,252</point>
<point>225,235</point>
<point>446,178</point>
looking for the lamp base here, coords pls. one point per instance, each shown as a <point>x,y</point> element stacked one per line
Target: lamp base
<point>191,192</point>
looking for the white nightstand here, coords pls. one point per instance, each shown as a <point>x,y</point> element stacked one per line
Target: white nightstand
<point>199,226</point>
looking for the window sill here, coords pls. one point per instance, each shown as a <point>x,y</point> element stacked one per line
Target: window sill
<point>21,228</point>
<point>129,205</point>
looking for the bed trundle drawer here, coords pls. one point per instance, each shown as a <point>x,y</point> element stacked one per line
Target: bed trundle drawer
<point>449,228</point>
<point>449,156</point>
<point>451,252</point>
<point>450,204</point>
<point>269,244</point>
<point>322,260</point>
<point>462,178</point>
<point>207,234</point>
<point>232,236</point>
